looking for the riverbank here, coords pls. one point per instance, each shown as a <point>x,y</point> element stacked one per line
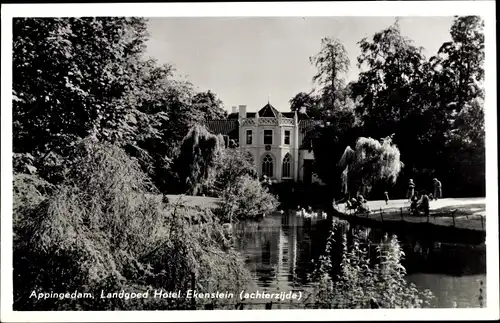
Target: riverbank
<point>193,201</point>
<point>461,219</point>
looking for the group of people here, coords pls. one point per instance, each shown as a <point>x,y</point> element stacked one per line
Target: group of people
<point>421,201</point>
<point>360,204</point>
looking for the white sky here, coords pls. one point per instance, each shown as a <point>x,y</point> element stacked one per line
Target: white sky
<point>246,60</point>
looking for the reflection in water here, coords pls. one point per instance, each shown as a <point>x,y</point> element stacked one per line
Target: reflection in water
<point>280,249</point>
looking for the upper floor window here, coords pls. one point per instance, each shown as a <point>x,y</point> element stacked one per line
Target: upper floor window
<point>287,137</point>
<point>268,137</point>
<point>249,137</point>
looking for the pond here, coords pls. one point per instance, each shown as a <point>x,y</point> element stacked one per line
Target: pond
<point>280,250</point>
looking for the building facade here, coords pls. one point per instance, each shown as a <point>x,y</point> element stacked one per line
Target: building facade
<point>276,141</point>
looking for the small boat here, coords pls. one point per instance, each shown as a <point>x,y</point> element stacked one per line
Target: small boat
<point>323,214</point>
<point>282,212</point>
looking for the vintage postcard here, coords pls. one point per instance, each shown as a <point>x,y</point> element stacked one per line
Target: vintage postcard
<point>249,161</point>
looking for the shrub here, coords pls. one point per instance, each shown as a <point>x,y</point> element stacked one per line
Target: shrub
<point>230,165</point>
<point>246,199</point>
<point>105,228</point>
<point>359,284</point>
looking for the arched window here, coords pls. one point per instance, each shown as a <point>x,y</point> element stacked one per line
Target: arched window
<point>287,166</point>
<point>267,166</point>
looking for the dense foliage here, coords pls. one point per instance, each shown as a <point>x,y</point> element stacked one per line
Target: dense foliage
<point>229,166</point>
<point>433,107</point>
<point>74,77</point>
<point>97,129</point>
<point>104,228</point>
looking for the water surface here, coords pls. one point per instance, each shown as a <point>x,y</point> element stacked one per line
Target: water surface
<point>280,250</point>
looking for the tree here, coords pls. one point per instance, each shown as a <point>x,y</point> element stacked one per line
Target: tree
<point>387,89</point>
<point>70,79</point>
<point>198,153</point>
<point>393,95</point>
<point>462,61</point>
<point>457,85</point>
<point>328,139</point>
<point>209,106</point>
<point>371,161</point>
<point>306,102</point>
<point>332,63</point>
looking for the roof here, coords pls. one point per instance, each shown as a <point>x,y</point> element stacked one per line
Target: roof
<point>236,115</point>
<point>301,116</point>
<point>223,127</point>
<point>268,111</point>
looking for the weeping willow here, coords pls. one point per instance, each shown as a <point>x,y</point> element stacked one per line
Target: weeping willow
<point>369,162</point>
<point>198,153</point>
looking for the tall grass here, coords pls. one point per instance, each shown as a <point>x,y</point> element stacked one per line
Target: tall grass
<point>360,283</point>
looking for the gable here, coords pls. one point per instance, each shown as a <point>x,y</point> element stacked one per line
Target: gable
<point>268,111</point>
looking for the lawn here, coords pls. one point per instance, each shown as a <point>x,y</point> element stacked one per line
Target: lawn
<point>193,201</point>
<point>467,213</point>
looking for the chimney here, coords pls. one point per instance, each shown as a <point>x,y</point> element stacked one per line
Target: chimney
<point>235,109</point>
<point>243,111</point>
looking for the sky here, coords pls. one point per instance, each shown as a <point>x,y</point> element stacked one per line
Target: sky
<point>250,60</point>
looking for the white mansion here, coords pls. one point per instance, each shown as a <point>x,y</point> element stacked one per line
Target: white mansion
<point>274,139</point>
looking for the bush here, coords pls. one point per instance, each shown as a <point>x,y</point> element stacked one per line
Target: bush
<point>230,166</point>
<point>104,228</point>
<point>246,199</point>
<point>359,284</point>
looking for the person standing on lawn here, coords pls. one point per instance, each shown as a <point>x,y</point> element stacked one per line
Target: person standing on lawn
<point>437,189</point>
<point>386,197</point>
<point>411,189</point>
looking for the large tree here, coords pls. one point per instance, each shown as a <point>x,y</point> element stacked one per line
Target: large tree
<point>306,102</point>
<point>71,77</point>
<point>458,80</point>
<point>209,105</point>
<point>332,63</point>
<point>392,96</point>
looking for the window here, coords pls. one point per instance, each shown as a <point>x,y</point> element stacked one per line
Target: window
<point>267,166</point>
<point>287,166</point>
<point>268,137</point>
<point>287,137</point>
<point>249,137</point>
